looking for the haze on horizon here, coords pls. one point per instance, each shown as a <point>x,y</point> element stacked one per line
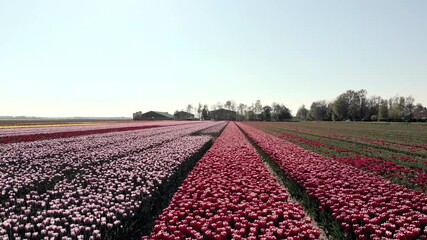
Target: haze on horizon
<point>112,58</point>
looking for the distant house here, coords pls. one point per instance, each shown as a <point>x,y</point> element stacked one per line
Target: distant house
<point>222,114</point>
<point>181,115</point>
<point>152,115</point>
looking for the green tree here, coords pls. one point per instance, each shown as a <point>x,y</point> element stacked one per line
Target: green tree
<point>409,108</point>
<point>394,109</point>
<point>383,110</point>
<point>340,107</point>
<point>266,113</point>
<point>302,113</point>
<point>318,110</point>
<point>373,108</point>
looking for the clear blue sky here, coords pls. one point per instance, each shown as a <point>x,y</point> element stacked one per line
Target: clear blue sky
<point>112,58</point>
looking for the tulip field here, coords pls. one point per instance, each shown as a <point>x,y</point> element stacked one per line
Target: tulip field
<point>231,194</point>
<point>213,180</point>
<point>396,152</point>
<point>365,204</point>
<point>93,186</point>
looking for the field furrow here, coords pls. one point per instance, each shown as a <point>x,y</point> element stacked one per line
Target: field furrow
<point>367,206</point>
<point>230,194</point>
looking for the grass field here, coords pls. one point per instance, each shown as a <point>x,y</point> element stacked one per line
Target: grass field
<point>396,151</point>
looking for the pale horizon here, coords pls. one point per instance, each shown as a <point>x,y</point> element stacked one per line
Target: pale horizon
<point>110,59</point>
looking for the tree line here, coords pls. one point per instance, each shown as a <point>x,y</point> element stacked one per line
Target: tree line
<point>350,105</point>
<point>356,106</point>
<point>253,112</point>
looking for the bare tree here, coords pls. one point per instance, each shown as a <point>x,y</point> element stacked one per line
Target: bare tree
<point>233,105</point>
<point>258,107</point>
<point>199,110</point>
<point>189,109</point>
<point>242,107</point>
<point>228,105</point>
<point>219,105</point>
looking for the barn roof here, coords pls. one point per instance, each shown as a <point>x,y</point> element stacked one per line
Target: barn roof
<point>184,112</point>
<point>165,114</point>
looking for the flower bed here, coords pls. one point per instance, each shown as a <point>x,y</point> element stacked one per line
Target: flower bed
<point>100,201</point>
<point>28,178</point>
<point>216,129</point>
<point>367,206</point>
<point>231,194</point>
<point>21,172</point>
<point>46,133</point>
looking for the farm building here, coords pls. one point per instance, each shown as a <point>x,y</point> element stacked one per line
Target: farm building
<point>222,114</point>
<point>152,115</point>
<point>181,115</point>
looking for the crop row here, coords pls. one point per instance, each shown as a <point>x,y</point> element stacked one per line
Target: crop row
<point>367,206</point>
<point>100,200</point>
<point>231,194</point>
<point>56,147</point>
<point>14,136</point>
<point>19,175</point>
<point>215,129</point>
<point>401,138</point>
<point>397,167</point>
<point>63,129</point>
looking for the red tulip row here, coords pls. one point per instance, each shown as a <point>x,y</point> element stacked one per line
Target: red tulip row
<point>367,206</point>
<point>389,170</point>
<point>100,200</point>
<point>395,141</point>
<point>231,194</point>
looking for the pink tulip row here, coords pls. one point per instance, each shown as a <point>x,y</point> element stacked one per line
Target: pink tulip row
<point>367,206</point>
<point>19,172</point>
<point>214,129</point>
<point>63,129</point>
<point>20,175</point>
<point>56,147</point>
<point>230,194</point>
<point>99,200</point>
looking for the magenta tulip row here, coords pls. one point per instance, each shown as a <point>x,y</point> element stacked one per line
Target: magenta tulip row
<point>367,206</point>
<point>99,200</point>
<point>230,194</point>
<point>214,129</point>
